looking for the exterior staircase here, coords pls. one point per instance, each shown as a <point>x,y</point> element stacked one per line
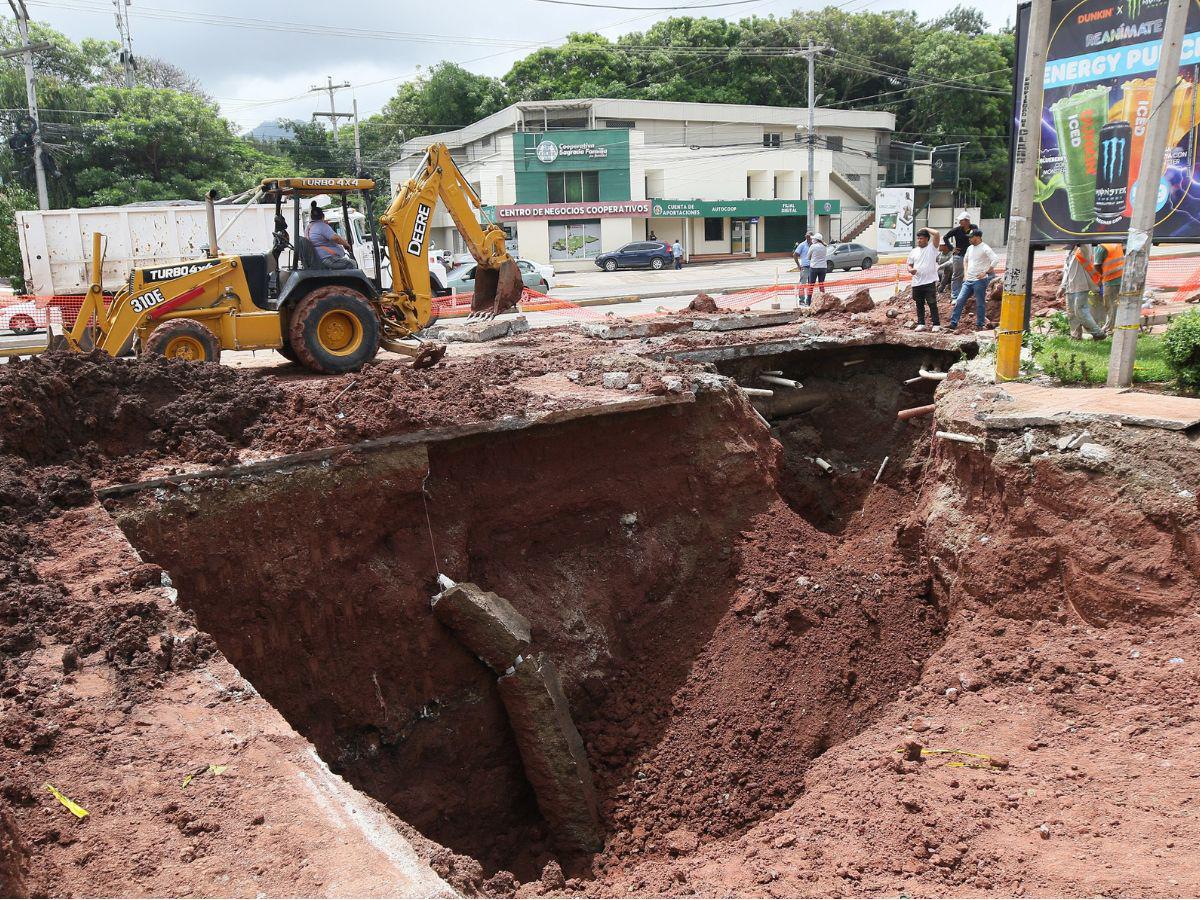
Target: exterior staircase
<point>858,226</point>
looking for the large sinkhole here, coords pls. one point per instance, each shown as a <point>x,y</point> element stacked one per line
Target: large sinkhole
<point>715,627</point>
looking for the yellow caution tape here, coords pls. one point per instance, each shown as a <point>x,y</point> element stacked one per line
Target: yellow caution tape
<point>211,770</point>
<point>66,801</point>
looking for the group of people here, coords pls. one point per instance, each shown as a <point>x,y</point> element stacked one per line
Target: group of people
<point>812,258</point>
<point>1092,282</point>
<point>961,261</point>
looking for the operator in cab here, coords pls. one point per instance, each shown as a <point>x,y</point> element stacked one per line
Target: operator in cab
<point>330,246</point>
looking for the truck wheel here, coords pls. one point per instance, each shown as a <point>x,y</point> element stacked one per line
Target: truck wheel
<point>183,339</point>
<point>334,330</point>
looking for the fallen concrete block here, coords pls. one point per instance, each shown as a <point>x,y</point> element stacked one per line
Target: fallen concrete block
<point>478,332</point>
<point>615,381</point>
<point>485,623</point>
<point>738,321</point>
<point>620,331</point>
<point>553,754</point>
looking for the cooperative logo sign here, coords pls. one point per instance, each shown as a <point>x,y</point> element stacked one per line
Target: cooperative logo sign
<point>548,151</point>
<point>597,210</point>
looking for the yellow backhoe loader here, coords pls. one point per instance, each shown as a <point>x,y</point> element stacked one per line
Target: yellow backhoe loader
<point>328,319</point>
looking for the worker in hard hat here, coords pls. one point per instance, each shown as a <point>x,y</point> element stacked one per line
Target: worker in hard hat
<point>1078,282</point>
<point>1109,264</point>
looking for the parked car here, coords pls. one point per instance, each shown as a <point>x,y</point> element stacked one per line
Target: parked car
<point>23,318</point>
<point>638,255</point>
<point>461,280</point>
<point>466,259</point>
<point>847,256</point>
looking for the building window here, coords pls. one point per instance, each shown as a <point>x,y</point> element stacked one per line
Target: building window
<point>574,240</point>
<point>833,143</point>
<point>573,187</point>
<point>485,142</point>
<point>772,139</point>
<point>714,229</point>
<point>620,123</point>
<point>747,187</point>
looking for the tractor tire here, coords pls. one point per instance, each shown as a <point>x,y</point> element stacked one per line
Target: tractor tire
<point>183,339</point>
<point>334,330</point>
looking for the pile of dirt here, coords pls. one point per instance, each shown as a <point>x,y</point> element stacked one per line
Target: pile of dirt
<point>703,303</point>
<point>102,413</point>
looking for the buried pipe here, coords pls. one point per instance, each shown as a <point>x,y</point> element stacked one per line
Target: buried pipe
<point>756,392</point>
<point>933,376</point>
<point>825,466</point>
<point>782,382</point>
<point>915,411</point>
<point>960,438</point>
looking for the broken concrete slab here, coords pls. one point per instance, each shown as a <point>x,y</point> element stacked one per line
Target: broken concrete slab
<point>1034,405</point>
<point>624,330</point>
<point>553,754</point>
<point>739,321</point>
<point>477,332</point>
<point>485,623</point>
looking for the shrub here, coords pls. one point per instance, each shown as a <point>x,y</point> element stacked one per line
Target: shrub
<point>1181,346</point>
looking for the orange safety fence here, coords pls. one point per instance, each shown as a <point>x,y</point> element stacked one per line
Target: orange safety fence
<point>1170,273</point>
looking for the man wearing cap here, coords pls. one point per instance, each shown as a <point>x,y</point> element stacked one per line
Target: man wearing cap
<point>922,265</point>
<point>818,261</point>
<point>959,240</point>
<point>978,263</point>
<point>800,254</point>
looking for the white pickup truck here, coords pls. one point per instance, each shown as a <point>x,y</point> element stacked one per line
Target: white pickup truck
<point>56,244</point>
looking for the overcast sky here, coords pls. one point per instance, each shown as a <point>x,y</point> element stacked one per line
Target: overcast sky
<point>258,71</point>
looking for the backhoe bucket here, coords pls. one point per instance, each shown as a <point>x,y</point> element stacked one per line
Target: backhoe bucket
<point>496,289</point>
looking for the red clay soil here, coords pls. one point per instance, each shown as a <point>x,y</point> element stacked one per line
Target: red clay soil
<point>743,673</point>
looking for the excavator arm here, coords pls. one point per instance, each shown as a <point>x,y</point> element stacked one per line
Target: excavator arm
<point>498,283</point>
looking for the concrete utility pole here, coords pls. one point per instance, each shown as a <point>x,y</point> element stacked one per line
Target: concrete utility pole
<point>1145,199</point>
<point>333,115</point>
<point>39,170</point>
<point>1020,213</point>
<point>126,35</point>
<point>811,55</point>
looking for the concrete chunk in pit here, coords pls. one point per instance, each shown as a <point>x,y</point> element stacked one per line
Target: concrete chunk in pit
<point>553,755</point>
<point>485,623</point>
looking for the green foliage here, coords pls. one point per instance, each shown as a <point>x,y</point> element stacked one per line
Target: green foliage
<point>12,199</point>
<point>1181,348</point>
<point>1086,362</point>
<point>445,97</point>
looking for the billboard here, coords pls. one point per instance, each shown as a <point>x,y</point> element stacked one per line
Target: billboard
<point>893,219</point>
<point>1100,74</point>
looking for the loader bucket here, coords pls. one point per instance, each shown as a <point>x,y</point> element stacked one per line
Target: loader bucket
<point>497,289</point>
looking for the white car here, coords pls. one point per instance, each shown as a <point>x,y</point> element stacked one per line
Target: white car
<point>23,318</point>
<point>526,266</point>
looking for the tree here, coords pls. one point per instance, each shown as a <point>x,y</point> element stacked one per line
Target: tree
<point>446,97</point>
<point>12,199</point>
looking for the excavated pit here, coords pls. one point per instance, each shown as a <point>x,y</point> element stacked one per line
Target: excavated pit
<point>716,626</point>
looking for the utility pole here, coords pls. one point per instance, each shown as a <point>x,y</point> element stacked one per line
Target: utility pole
<point>333,115</point>
<point>1145,200</point>
<point>357,144</point>
<point>1025,169</point>
<point>811,55</point>
<point>39,170</point>
<point>126,35</point>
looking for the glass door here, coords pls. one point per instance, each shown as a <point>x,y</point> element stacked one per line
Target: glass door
<point>739,236</point>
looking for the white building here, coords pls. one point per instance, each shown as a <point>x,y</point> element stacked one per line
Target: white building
<point>572,178</point>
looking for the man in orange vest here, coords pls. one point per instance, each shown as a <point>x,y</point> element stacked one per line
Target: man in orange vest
<point>1079,280</point>
<point>1110,266</point>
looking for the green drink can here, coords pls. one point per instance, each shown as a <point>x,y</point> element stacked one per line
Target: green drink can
<point>1077,121</point>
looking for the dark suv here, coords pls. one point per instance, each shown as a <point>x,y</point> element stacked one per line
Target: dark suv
<point>638,255</point>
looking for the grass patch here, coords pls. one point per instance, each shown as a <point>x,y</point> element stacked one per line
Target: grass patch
<point>1086,362</point>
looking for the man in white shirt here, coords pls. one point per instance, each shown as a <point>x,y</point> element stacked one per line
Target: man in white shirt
<point>922,265</point>
<point>978,264</point>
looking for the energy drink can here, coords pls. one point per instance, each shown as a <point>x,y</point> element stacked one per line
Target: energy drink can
<point>1077,122</point>
<point>1112,173</point>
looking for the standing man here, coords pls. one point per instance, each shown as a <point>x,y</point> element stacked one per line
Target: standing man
<point>959,240</point>
<point>1109,267</point>
<point>1079,280</point>
<point>978,263</point>
<point>677,252</point>
<point>801,254</point>
<point>818,260</point>
<point>923,267</point>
